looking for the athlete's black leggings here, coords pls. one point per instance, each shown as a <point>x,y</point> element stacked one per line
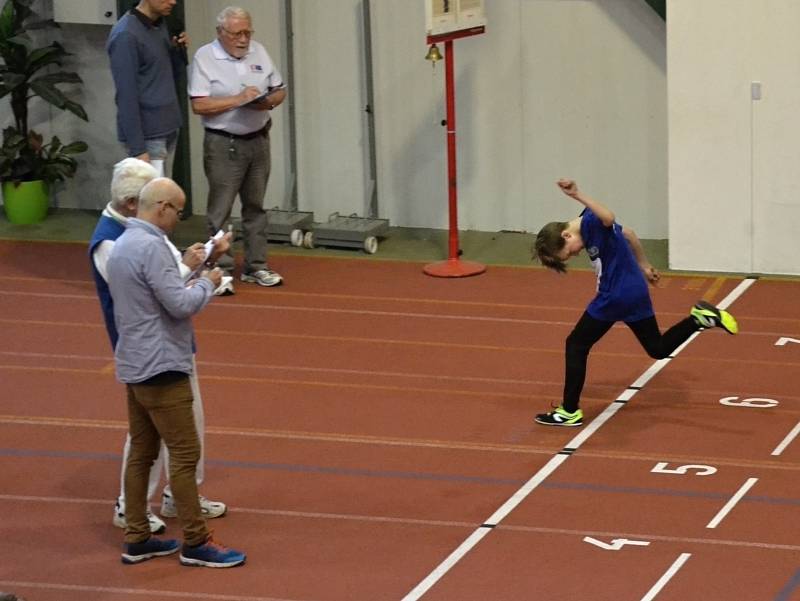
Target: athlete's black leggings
<point>589,330</point>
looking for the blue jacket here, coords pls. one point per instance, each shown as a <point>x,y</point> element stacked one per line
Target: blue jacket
<point>106,229</point>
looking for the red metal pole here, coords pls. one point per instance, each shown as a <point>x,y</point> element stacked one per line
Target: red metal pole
<point>453,267</point>
<point>452,185</point>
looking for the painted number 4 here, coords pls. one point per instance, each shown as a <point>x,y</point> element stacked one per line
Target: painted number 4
<point>702,470</point>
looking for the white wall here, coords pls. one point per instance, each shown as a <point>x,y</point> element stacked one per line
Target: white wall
<point>554,88</point>
<point>734,183</point>
<point>330,94</point>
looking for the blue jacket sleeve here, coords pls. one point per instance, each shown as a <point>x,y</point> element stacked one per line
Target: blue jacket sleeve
<point>124,57</point>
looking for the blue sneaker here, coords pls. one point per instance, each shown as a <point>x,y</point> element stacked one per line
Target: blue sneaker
<point>152,547</point>
<point>211,555</point>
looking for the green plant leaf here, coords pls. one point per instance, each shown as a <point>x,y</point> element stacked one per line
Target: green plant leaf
<point>76,109</point>
<point>75,147</point>
<point>21,39</point>
<point>6,22</point>
<point>48,92</point>
<point>60,77</point>
<point>10,82</point>
<point>46,55</point>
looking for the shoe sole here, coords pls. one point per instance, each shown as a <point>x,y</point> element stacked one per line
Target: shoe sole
<point>133,559</point>
<point>252,280</point>
<point>564,425</point>
<point>199,563</point>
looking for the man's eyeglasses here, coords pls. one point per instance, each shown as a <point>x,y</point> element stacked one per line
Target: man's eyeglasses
<point>244,33</point>
<point>178,212</point>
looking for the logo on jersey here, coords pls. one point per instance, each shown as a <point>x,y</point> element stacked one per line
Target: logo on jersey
<point>257,68</point>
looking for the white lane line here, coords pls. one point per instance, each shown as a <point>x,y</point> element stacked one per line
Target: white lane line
<point>594,426</point>
<point>650,372</point>
<point>662,582</point>
<point>445,566</point>
<point>440,570</point>
<point>736,293</point>
<point>732,502</point>
<point>786,441</point>
<point>517,498</point>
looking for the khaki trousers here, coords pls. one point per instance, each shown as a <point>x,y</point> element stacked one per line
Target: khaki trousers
<point>159,412</point>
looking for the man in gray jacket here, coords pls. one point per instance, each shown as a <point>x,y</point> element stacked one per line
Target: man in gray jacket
<point>153,308</point>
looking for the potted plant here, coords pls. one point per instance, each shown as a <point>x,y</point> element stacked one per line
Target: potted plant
<point>28,165</point>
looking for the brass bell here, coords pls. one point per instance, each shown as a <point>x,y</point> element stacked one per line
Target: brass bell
<point>433,54</point>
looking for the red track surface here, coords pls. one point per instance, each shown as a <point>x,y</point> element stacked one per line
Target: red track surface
<point>364,420</point>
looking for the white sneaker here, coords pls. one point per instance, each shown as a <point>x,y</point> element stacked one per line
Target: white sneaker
<point>226,287</point>
<point>157,525</point>
<point>210,509</point>
<point>263,277</point>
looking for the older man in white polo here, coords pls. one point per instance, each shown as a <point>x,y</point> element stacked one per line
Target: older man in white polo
<point>233,85</point>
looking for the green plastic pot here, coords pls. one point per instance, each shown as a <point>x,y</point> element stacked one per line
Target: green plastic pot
<point>27,202</point>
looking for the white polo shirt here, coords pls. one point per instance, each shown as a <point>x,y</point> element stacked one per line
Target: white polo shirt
<point>214,72</point>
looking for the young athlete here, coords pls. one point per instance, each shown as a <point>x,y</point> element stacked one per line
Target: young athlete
<point>622,295</point>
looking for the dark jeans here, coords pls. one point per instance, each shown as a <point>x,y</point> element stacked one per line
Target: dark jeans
<point>240,167</point>
<point>589,330</point>
<point>157,411</point>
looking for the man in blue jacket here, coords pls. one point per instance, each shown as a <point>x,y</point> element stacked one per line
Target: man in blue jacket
<point>143,58</point>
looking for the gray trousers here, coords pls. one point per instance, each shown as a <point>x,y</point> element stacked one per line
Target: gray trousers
<point>236,166</point>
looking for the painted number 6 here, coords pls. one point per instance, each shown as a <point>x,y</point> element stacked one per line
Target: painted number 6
<point>702,470</point>
<point>733,401</point>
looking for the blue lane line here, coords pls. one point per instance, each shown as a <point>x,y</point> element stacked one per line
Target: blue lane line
<point>335,471</point>
<point>791,586</point>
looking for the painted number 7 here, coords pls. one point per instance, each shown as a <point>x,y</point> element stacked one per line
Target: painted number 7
<point>702,470</point>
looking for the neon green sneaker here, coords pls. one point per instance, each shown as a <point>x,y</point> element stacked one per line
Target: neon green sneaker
<point>708,316</point>
<point>559,417</point>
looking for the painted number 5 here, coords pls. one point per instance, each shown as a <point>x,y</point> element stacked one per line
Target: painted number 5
<point>702,470</point>
<point>733,401</point>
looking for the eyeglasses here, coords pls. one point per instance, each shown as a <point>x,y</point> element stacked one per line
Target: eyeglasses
<point>178,212</point>
<point>244,33</point>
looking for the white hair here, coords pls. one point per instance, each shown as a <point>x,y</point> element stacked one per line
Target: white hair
<point>130,175</point>
<point>232,12</point>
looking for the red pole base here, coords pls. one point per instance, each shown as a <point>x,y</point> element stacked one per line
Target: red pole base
<point>454,268</point>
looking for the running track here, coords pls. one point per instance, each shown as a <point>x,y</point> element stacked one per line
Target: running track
<point>370,428</point>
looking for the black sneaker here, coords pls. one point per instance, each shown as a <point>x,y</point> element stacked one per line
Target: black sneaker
<point>559,417</point>
<point>707,315</point>
<point>152,547</point>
